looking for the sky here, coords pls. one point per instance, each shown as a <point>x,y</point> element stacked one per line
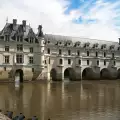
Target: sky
<point>95,19</point>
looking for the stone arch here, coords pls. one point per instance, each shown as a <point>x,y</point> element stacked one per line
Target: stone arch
<point>105,73</point>
<point>69,73</point>
<point>19,73</point>
<point>53,74</point>
<point>87,73</point>
<point>110,73</point>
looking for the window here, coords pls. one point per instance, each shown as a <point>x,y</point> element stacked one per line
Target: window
<point>87,62</point>
<point>7,48</point>
<point>7,59</point>
<point>78,52</point>
<point>69,61</point>
<point>97,62</point>
<point>113,55</point>
<point>7,38</point>
<point>19,47</point>
<point>104,54</point>
<point>69,52</point>
<point>19,58</point>
<point>87,53</point>
<point>31,60</point>
<point>31,49</point>
<point>48,50</point>
<point>96,54</point>
<point>31,39</point>
<point>114,63</point>
<point>104,62</point>
<point>79,62</point>
<point>60,51</point>
<point>61,62</point>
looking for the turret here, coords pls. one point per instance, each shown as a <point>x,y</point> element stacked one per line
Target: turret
<point>42,45</point>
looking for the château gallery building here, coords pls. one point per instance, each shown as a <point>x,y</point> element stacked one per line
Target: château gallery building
<point>45,56</point>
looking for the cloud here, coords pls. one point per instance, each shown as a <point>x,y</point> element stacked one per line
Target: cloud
<point>92,19</point>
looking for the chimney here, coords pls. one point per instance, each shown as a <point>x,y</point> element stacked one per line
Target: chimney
<point>14,23</point>
<point>40,32</point>
<point>119,41</point>
<point>24,25</point>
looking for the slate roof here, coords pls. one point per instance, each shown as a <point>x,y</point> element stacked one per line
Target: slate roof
<point>82,41</point>
<point>18,29</point>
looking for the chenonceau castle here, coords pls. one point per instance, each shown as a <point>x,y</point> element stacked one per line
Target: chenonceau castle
<point>54,57</point>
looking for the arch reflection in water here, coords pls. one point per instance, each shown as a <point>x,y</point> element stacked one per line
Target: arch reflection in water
<point>63,101</point>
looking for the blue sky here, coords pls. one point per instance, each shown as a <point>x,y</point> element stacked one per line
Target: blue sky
<point>97,19</point>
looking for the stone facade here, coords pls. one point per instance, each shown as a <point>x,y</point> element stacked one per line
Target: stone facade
<point>45,56</point>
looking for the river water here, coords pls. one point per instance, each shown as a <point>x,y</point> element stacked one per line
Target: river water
<point>89,100</point>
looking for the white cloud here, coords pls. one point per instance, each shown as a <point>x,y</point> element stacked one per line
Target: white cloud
<point>50,13</point>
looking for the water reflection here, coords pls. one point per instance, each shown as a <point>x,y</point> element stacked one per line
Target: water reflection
<point>63,101</point>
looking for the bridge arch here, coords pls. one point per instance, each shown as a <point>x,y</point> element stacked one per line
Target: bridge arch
<point>105,73</point>
<point>53,74</point>
<point>69,73</point>
<point>87,73</point>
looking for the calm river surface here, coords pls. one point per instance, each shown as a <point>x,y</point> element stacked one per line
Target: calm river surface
<point>93,100</point>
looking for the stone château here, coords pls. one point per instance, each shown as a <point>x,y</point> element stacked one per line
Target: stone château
<point>37,56</point>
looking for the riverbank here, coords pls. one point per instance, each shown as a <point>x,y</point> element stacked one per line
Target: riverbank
<point>3,117</point>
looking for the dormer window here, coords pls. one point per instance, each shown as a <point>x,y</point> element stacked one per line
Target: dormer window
<point>31,39</point>
<point>7,38</point>
<point>103,46</point>
<point>95,45</point>
<point>87,45</point>
<point>77,44</point>
<point>48,41</point>
<point>111,47</point>
<point>19,38</point>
